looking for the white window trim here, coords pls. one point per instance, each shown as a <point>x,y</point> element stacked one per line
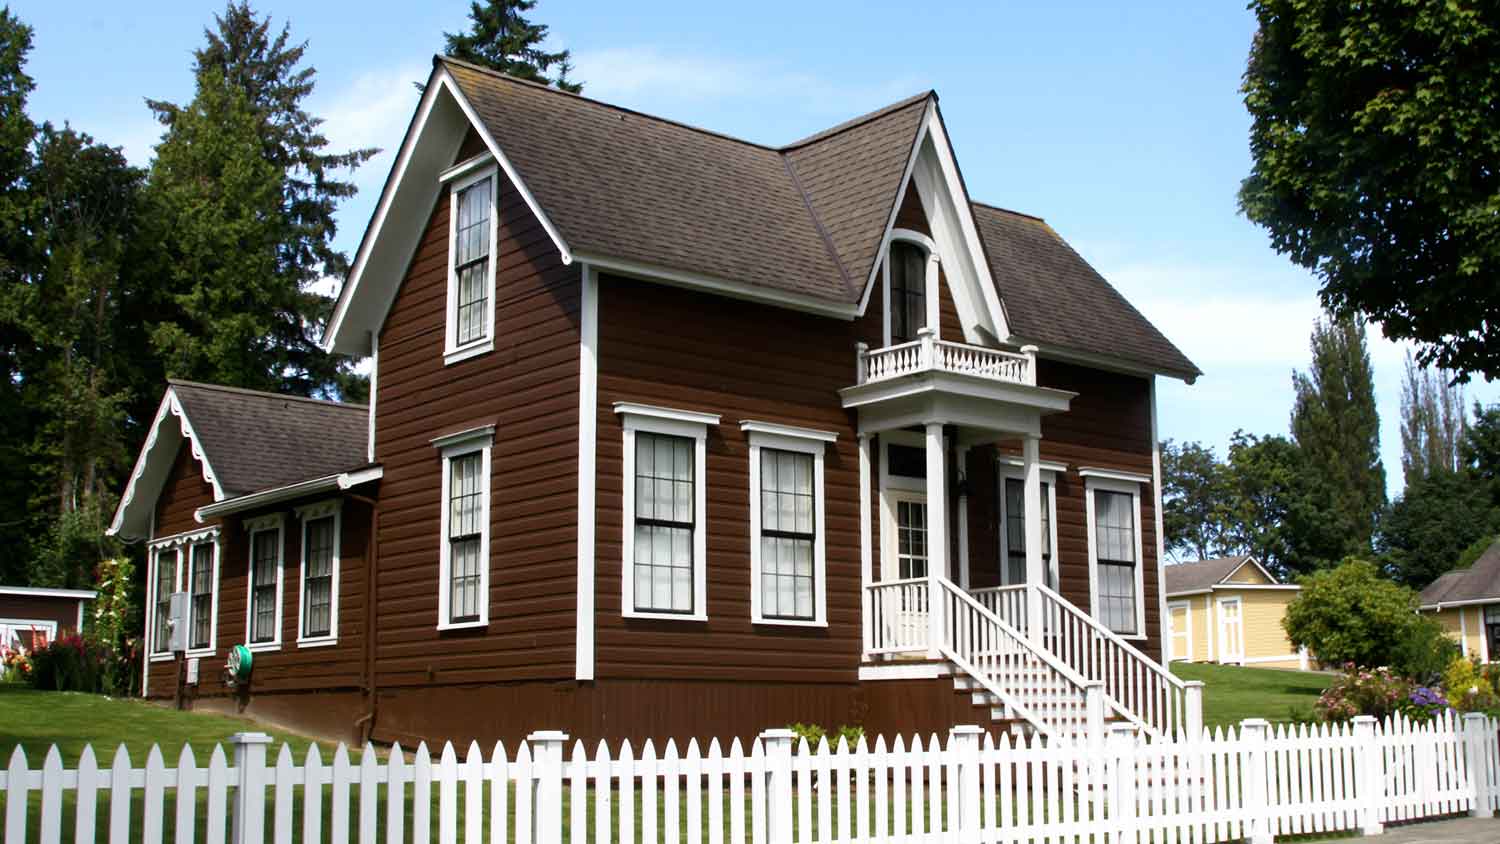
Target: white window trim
<point>895,489</point>
<point>264,524</point>
<point>1048,477</point>
<point>10,626</point>
<point>307,514</point>
<point>1172,655</point>
<point>185,570</point>
<point>805,441</point>
<point>452,351</point>
<point>153,557</point>
<point>679,423</point>
<point>481,441</point>
<point>1093,483</point>
<point>930,282</point>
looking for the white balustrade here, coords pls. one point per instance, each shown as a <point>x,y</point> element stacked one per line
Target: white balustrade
<point>928,354</point>
<point>1007,602</point>
<point>898,616</point>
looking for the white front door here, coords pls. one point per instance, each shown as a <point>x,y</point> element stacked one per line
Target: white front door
<point>1179,632</point>
<point>1231,631</point>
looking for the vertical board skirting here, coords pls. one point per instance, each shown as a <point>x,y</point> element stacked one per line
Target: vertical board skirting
<point>588,421</point>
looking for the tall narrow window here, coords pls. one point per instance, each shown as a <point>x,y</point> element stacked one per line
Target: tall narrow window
<point>200,596</point>
<point>471,268</point>
<point>787,581</point>
<point>1492,630</point>
<point>465,527</point>
<point>265,576</point>
<point>166,583</point>
<point>1015,533</point>
<point>318,540</point>
<point>1115,560</point>
<point>664,523</point>
<point>911,539</point>
<point>908,267</point>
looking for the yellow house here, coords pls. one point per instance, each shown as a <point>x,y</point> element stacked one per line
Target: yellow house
<point>1467,602</point>
<point>1229,610</point>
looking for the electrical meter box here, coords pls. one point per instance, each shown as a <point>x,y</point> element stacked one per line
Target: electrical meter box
<point>177,625</point>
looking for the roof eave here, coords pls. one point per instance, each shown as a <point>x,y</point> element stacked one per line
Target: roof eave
<point>337,482</point>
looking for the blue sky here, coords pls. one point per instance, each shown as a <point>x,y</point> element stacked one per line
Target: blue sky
<point>1120,123</point>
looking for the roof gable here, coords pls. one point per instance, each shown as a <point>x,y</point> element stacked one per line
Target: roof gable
<point>1478,583</point>
<point>1202,575</point>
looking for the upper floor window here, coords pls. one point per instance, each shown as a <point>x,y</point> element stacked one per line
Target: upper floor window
<point>464,566</point>
<point>664,496</point>
<point>908,268</point>
<point>471,266</point>
<point>1116,581</point>
<point>787,555</point>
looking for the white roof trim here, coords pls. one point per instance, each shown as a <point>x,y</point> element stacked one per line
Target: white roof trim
<point>1250,560</point>
<point>751,426</point>
<point>41,592</point>
<point>890,223</point>
<point>1453,605</point>
<point>468,165</point>
<point>1044,465</point>
<point>475,433</point>
<point>274,495</point>
<point>1114,475</point>
<point>170,407</point>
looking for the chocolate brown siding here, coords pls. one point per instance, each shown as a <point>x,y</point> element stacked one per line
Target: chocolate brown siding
<point>62,611</point>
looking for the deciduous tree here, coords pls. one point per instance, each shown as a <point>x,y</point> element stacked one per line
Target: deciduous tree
<point>1433,422</point>
<point>1194,499</point>
<point>1351,614</point>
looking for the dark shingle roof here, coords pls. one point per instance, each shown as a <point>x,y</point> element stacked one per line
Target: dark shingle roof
<point>1478,582</point>
<point>1200,575</point>
<point>1054,297</point>
<point>257,441</point>
<point>804,219</point>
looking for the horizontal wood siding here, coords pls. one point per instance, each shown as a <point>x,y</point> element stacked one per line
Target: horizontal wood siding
<point>183,492</point>
<point>528,389</point>
<point>670,347</point>
<point>62,611</point>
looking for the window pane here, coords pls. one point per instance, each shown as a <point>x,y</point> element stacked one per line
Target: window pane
<point>166,582</point>
<point>317,599</point>
<point>664,523</point>
<point>1114,533</point>
<point>908,461</point>
<point>911,538</point>
<point>264,548</point>
<point>200,592</point>
<point>908,291</point>
<point>471,250</point>
<point>787,534</point>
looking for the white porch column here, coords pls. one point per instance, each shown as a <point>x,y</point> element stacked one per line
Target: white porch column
<point>937,536</point>
<point>1032,506</point>
<point>866,562</point>
<point>963,519</point>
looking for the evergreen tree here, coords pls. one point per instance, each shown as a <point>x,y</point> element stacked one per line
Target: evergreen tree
<point>1433,422</point>
<point>1480,451</point>
<point>1427,529</point>
<point>1337,430</point>
<point>500,37</point>
<point>1194,493</point>
<point>244,190</point>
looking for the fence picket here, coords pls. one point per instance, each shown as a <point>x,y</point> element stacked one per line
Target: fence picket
<point>154,796</point>
<point>714,766</point>
<point>671,802</point>
<point>186,796</point>
<point>217,809</point>
<point>396,775</point>
<point>525,802</point>
<point>88,789</point>
<point>369,784</point>
<point>602,824</point>
<point>499,795</point>
<point>692,783</point>
<point>342,777</point>
<point>472,772</point>
<point>578,825</point>
<point>282,819</point>
<point>51,820</point>
<point>627,794</point>
<point>421,795</point>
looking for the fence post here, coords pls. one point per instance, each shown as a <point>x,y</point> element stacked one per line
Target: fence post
<point>963,745</point>
<point>249,822</point>
<point>1093,715</point>
<point>1121,800</point>
<point>1477,735</point>
<point>1192,704</point>
<point>1369,775</point>
<point>1257,805</point>
<point>546,756</point>
<point>778,745</point>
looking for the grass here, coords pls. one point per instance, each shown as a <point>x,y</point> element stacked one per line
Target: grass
<point>1232,694</point>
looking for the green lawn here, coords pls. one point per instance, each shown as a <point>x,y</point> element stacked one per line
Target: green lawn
<point>1232,694</point>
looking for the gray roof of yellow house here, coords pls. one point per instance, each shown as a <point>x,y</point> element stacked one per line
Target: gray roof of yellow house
<point>1477,584</point>
<point>1203,575</point>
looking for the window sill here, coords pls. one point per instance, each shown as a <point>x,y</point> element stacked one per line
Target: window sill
<point>788,622</point>
<point>166,657</point>
<point>319,642</point>
<point>201,653</point>
<point>463,353</point>
<point>664,616</point>
<point>263,647</point>
<point>462,625</point>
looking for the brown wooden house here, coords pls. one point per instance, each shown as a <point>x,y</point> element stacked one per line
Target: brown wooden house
<point>673,435</point>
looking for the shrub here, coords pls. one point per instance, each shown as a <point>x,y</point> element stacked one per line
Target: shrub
<point>813,734</point>
<point>1471,687</point>
<point>1422,704</point>
<point>73,664</point>
<point>1425,653</point>
<point>1375,692</point>
<point>1351,614</point>
<point>15,665</point>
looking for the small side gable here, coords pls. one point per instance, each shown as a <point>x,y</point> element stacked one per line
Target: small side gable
<point>153,466</point>
<point>1251,572</point>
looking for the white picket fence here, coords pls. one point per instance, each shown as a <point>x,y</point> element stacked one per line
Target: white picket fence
<point>1247,783</point>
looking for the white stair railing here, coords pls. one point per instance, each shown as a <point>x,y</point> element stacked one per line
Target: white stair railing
<point>1032,683</point>
<point>1135,686</point>
<point>1007,602</point>
<point>898,616</point>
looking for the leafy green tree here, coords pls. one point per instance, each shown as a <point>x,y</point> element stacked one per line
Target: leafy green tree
<point>501,37</point>
<point>243,189</point>
<point>1480,451</point>
<point>1426,530</point>
<point>1350,614</point>
<point>1194,490</point>
<point>1373,140</point>
<point>1337,430</point>
<point>1433,422</point>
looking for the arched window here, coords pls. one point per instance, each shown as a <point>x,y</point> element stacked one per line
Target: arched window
<point>908,266</point>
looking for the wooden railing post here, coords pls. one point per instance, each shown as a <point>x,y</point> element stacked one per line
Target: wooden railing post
<point>1093,715</point>
<point>249,822</point>
<point>1121,783</point>
<point>861,351</point>
<point>926,349</point>
<point>1192,705</point>
<point>779,808</point>
<point>1030,353</point>
<point>1253,733</point>
<point>1478,739</point>
<point>547,772</point>
<point>963,745</point>
<point>1369,776</point>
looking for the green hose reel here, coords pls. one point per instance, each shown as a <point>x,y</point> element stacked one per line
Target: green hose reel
<point>237,667</point>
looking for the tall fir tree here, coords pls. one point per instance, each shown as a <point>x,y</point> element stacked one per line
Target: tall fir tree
<point>1434,422</point>
<point>501,37</point>
<point>244,190</point>
<point>1337,429</point>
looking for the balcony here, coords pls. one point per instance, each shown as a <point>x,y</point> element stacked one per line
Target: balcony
<point>929,354</point>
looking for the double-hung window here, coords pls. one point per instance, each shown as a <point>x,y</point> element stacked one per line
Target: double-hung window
<point>664,541</point>
<point>787,554</point>
<point>1114,524</point>
<point>202,577</point>
<point>161,599</point>
<point>263,621</point>
<point>908,308</point>
<point>464,572</point>
<point>320,574</point>
<point>1013,523</point>
<point>471,265</point>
